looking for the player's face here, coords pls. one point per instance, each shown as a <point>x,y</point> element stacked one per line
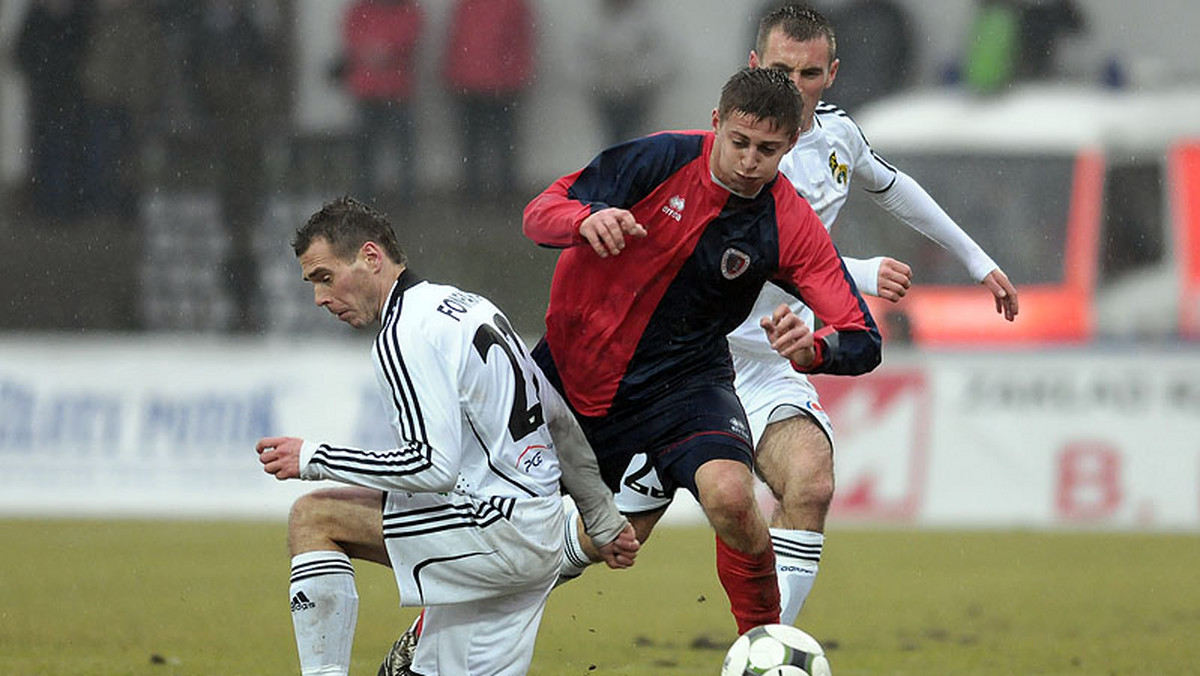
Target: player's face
<point>806,63</point>
<point>747,151</point>
<point>345,288</point>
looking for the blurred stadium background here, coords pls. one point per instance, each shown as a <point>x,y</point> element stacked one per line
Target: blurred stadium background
<point>135,376</point>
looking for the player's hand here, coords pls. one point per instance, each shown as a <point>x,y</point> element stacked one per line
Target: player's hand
<point>790,336</point>
<point>1004,292</point>
<point>605,231</point>
<point>621,552</point>
<point>280,456</point>
<point>894,279</point>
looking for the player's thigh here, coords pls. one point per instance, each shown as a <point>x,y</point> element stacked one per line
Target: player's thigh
<point>795,452</point>
<point>350,517</point>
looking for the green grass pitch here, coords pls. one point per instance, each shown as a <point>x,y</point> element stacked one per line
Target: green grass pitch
<point>183,598</point>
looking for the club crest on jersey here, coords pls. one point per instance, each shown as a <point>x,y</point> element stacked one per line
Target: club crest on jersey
<point>674,207</point>
<point>734,263</point>
<point>841,172</point>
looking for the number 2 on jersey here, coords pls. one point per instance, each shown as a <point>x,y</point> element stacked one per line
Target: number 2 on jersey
<point>523,420</point>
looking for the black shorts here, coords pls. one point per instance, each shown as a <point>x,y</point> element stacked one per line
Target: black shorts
<point>680,431</point>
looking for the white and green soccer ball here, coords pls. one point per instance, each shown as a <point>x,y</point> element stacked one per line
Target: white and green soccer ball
<point>775,650</point>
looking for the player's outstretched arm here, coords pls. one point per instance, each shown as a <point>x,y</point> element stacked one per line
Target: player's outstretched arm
<point>1004,292</point>
<point>605,231</point>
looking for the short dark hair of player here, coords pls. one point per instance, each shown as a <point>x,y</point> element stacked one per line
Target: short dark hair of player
<point>347,224</point>
<point>800,23</point>
<point>764,94</point>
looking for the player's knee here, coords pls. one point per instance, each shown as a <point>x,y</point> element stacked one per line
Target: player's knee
<point>814,491</point>
<point>309,518</point>
<point>725,492</point>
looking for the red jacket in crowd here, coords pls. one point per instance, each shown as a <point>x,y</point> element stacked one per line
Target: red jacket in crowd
<point>491,47</point>
<point>380,39</point>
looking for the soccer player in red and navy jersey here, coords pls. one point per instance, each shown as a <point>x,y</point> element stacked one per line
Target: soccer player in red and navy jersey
<point>667,241</point>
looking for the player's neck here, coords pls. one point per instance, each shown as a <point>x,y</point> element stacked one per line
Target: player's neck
<point>739,194</point>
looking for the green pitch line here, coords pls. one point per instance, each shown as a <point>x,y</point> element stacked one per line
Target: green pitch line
<point>96,598</point>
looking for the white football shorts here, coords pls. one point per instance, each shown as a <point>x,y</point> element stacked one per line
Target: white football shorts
<point>483,570</point>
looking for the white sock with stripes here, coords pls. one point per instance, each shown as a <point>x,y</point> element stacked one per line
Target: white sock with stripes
<point>797,555</point>
<point>574,560</point>
<point>324,611</point>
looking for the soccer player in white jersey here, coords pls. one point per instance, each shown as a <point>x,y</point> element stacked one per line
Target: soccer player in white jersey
<point>467,508</point>
<point>794,436</point>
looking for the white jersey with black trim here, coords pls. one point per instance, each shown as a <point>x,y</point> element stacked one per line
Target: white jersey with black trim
<point>463,395</point>
<point>821,166</point>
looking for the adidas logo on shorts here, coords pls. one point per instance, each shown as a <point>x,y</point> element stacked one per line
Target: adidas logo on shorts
<point>301,602</point>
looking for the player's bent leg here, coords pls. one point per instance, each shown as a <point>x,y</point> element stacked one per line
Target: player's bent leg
<point>795,459</point>
<point>325,529</point>
<point>349,520</point>
<point>726,493</point>
<point>745,560</point>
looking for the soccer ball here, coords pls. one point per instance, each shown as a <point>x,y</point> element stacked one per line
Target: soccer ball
<point>775,650</point>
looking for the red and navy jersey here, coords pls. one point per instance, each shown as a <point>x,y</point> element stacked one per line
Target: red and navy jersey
<point>625,329</point>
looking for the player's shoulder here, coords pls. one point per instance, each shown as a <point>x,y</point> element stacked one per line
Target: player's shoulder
<point>829,112</point>
<point>445,304</point>
<point>683,144</point>
<point>790,206</point>
<point>836,122</point>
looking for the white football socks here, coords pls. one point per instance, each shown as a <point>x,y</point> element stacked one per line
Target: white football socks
<point>797,555</point>
<point>324,611</point>
<point>574,560</point>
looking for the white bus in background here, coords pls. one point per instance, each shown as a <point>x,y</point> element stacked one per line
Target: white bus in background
<point>1088,198</point>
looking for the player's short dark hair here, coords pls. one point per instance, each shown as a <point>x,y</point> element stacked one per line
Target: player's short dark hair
<point>764,94</point>
<point>800,23</point>
<point>348,224</point>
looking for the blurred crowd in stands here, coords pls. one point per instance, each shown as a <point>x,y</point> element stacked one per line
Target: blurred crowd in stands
<point>128,97</point>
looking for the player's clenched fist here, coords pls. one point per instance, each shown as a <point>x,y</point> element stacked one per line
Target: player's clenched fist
<point>894,279</point>
<point>280,456</point>
<point>789,336</point>
<point>605,230</point>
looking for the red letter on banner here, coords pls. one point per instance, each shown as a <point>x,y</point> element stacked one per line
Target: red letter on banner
<point>1089,481</point>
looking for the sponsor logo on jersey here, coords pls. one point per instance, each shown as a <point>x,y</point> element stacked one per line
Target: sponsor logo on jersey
<point>531,457</point>
<point>738,427</point>
<point>674,207</point>
<point>734,263</point>
<point>841,172</point>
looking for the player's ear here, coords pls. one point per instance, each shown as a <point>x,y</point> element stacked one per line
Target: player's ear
<point>371,255</point>
<point>833,68</point>
<point>755,62</point>
<point>716,119</point>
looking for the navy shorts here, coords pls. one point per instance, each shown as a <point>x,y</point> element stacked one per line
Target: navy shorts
<point>679,431</point>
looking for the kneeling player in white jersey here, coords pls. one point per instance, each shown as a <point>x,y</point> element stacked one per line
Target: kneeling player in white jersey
<point>794,436</point>
<point>467,509</point>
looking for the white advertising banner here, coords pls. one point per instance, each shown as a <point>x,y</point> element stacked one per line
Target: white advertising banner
<point>1063,438</point>
<point>166,427</point>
